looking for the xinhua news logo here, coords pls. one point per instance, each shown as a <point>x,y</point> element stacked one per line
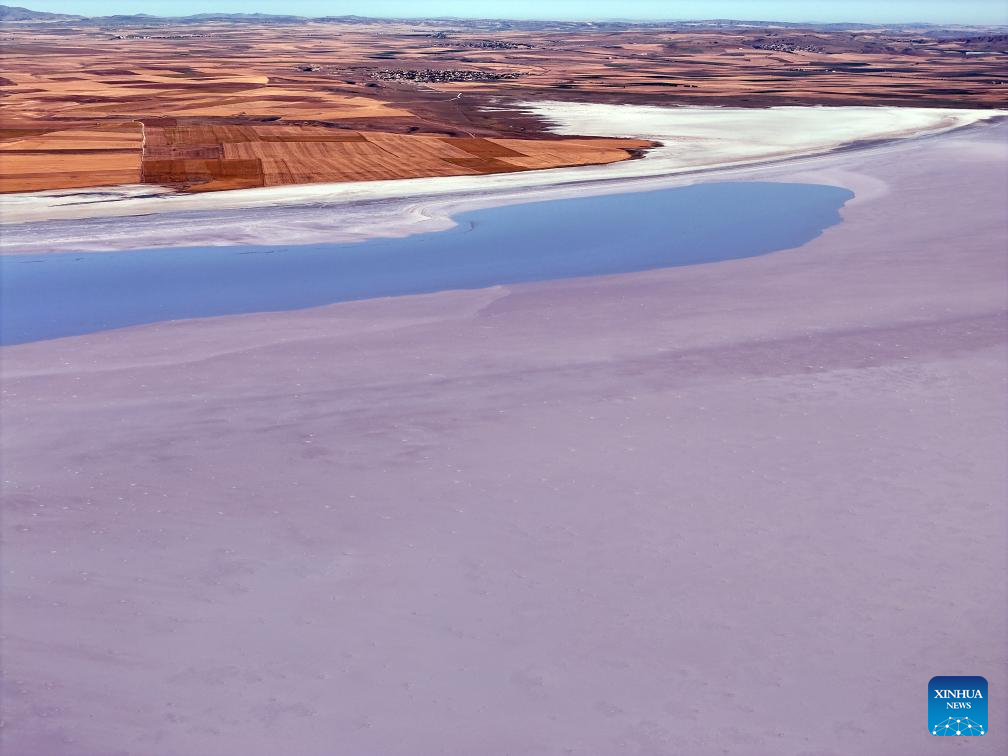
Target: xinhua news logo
<point>957,706</point>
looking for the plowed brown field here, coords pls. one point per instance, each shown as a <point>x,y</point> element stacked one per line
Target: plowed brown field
<point>219,105</point>
<point>209,158</point>
<point>103,154</point>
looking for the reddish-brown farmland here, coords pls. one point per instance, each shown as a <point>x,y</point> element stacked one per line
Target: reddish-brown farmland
<point>219,105</point>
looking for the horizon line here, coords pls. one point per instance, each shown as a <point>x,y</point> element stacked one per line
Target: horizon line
<point>581,20</point>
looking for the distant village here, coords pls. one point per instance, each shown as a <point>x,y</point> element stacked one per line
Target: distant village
<point>480,44</point>
<point>165,36</point>
<point>786,47</point>
<point>431,76</point>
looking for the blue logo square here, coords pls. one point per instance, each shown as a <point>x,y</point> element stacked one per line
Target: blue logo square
<point>957,706</point>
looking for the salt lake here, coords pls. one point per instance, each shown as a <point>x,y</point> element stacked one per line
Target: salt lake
<point>64,294</point>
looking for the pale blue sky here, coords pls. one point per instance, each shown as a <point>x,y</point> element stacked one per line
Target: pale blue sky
<point>869,11</point>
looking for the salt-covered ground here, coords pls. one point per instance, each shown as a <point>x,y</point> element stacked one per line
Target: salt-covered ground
<point>749,507</point>
<point>693,138</point>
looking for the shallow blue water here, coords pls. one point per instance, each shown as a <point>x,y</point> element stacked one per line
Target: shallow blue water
<point>48,296</point>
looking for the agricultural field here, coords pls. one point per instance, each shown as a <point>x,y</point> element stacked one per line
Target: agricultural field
<point>221,104</point>
<point>213,157</point>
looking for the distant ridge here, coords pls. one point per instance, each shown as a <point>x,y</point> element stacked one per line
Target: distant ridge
<point>15,14</point>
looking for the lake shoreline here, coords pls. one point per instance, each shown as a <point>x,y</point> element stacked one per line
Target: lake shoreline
<point>737,479</point>
<point>67,294</point>
<point>109,219</point>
